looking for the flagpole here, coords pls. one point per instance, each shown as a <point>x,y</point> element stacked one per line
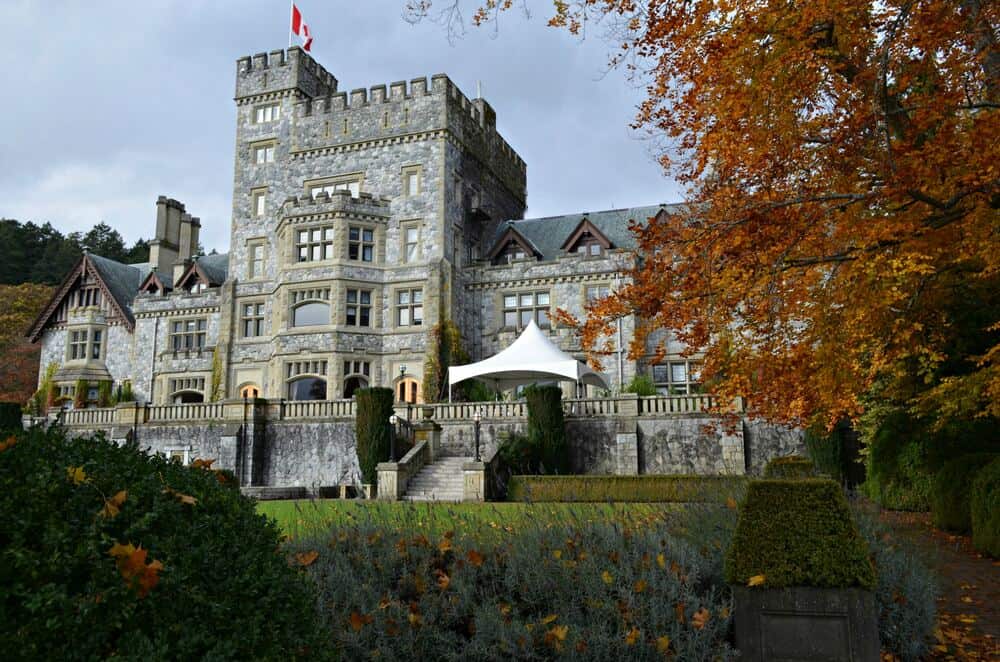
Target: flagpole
<point>291,12</point>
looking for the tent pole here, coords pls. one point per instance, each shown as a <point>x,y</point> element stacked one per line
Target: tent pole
<point>449,392</point>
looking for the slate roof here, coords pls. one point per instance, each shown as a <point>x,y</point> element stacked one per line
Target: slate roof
<point>547,234</point>
<point>122,280</point>
<point>216,267</point>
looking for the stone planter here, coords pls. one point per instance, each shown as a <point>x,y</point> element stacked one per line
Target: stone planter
<point>369,490</point>
<point>803,623</point>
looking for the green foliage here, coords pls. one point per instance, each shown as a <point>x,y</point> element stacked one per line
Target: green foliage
<point>835,453</point>
<point>44,397</point>
<point>104,393</point>
<point>625,489</point>
<point>950,498</point>
<point>476,391</point>
<point>215,393</point>
<point>125,392</point>
<point>444,349</point>
<point>641,385</point>
<point>548,590</point>
<point>798,533</point>
<point>223,592</point>
<point>374,407</point>
<point>985,513</point>
<point>906,592</point>
<point>547,428</point>
<point>80,394</point>
<point>790,466</point>
<point>10,417</point>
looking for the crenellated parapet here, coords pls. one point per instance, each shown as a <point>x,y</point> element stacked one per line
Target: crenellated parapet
<point>281,71</point>
<point>339,203</point>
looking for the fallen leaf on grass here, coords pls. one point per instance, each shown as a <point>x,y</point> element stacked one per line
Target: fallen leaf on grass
<point>113,505</point>
<point>756,580</point>
<point>632,637</point>
<point>306,558</point>
<point>663,644</point>
<point>700,618</point>
<point>358,621</point>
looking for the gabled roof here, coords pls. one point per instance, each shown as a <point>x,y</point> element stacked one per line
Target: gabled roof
<point>586,226</point>
<point>512,234</point>
<point>119,283</point>
<point>549,234</point>
<point>158,278</point>
<point>209,269</point>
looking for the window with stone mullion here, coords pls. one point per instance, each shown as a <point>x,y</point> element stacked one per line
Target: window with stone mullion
<point>360,244</point>
<point>253,320</point>
<point>522,307</point>
<point>410,307</point>
<point>359,307</point>
<point>77,345</point>
<point>188,334</point>
<point>314,244</point>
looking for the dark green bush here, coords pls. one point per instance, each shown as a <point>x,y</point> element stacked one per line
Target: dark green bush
<point>224,591</point>
<point>952,487</point>
<point>373,429</point>
<point>10,417</point>
<point>798,533</point>
<point>551,589</point>
<point>635,489</point>
<point>906,592</point>
<point>984,507</point>
<point>547,427</point>
<point>905,452</point>
<point>790,466</point>
<point>836,453</point>
<point>641,385</point>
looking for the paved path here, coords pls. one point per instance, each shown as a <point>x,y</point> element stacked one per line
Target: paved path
<point>969,606</point>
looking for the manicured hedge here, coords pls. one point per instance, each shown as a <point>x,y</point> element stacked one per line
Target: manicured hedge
<point>374,407</point>
<point>107,552</point>
<point>798,533</point>
<point>10,417</point>
<point>952,487</point>
<point>984,507</point>
<point>790,466</point>
<point>547,428</point>
<point>636,489</point>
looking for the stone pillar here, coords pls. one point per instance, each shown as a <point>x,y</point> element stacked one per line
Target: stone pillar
<point>388,481</point>
<point>429,431</point>
<point>627,454</point>
<point>474,483</point>
<point>628,404</point>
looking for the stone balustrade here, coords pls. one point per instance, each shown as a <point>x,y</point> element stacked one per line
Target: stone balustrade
<point>289,410</point>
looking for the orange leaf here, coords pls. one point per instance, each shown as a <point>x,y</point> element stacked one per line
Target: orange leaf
<point>632,637</point>
<point>731,503</point>
<point>358,621</point>
<point>607,577</point>
<point>202,464</point>
<point>662,644</point>
<point>7,443</point>
<point>548,619</point>
<point>661,560</point>
<point>756,580</point>
<point>700,618</point>
<point>186,499</point>
<point>679,612</point>
<point>640,586</point>
<point>306,558</point>
<point>444,545</point>
<point>76,475</point>
<point>474,557</point>
<point>113,505</point>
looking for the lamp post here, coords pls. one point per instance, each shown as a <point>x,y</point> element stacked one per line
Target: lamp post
<point>402,386</point>
<point>392,437</point>
<point>476,418</point>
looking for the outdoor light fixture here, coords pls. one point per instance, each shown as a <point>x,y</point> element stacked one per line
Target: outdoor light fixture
<point>392,437</point>
<point>477,417</point>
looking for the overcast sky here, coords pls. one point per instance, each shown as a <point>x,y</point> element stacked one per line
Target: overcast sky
<point>106,105</point>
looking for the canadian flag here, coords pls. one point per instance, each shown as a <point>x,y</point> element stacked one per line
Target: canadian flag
<point>300,29</point>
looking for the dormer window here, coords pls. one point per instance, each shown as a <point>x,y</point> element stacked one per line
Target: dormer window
<point>588,245</point>
<point>586,241</point>
<point>512,251</point>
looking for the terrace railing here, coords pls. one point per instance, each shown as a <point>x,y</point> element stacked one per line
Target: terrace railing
<point>89,417</point>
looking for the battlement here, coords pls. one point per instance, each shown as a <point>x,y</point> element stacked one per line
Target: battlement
<point>341,200</point>
<point>282,70</point>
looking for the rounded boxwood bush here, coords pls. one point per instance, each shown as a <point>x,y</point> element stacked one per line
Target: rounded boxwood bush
<point>950,497</point>
<point>985,513</point>
<point>108,552</point>
<point>798,533</point>
<point>790,466</point>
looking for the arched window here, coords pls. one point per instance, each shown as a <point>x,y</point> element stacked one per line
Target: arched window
<point>249,391</point>
<point>352,384</point>
<point>307,388</point>
<point>188,397</point>
<point>408,390</point>
<point>311,313</point>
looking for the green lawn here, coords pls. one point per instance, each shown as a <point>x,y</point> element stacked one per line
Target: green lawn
<point>302,518</point>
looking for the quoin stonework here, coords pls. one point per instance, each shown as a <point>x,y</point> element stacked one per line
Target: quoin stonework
<point>360,220</point>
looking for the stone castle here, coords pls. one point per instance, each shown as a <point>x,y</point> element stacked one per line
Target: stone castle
<point>359,222</point>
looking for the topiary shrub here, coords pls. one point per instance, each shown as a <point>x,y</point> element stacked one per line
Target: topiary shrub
<point>836,453</point>
<point>547,427</point>
<point>790,466</point>
<point>10,417</point>
<point>108,552</point>
<point>952,488</point>
<point>625,489</point>
<point>641,385</point>
<point>984,511</point>
<point>373,429</point>
<point>798,533</point>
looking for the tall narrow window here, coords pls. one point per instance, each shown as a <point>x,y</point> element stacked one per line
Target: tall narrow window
<point>256,255</point>
<point>411,181</point>
<point>253,320</point>
<point>259,202</point>
<point>359,307</point>
<point>95,344</point>
<point>409,307</point>
<point>411,243</point>
<point>360,244</point>
<point>77,345</point>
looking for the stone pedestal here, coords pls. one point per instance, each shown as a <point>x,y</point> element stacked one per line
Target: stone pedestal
<point>429,431</point>
<point>799,623</point>
<point>474,481</point>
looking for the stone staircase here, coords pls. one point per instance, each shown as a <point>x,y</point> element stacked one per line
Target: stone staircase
<point>441,480</point>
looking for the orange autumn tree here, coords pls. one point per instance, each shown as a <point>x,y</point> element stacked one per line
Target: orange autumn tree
<point>841,161</point>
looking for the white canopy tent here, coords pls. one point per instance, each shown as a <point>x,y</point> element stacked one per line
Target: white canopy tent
<point>531,358</point>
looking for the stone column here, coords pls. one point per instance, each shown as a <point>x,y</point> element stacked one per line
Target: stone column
<point>429,431</point>
<point>474,484</point>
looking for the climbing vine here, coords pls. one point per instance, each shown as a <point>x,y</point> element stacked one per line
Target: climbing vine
<point>444,349</point>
